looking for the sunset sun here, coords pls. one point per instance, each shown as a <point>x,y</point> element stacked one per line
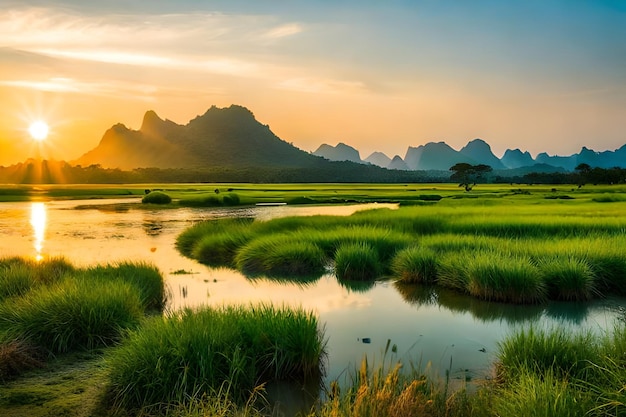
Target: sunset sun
<point>38,130</point>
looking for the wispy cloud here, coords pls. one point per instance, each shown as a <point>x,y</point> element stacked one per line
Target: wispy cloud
<point>284,31</point>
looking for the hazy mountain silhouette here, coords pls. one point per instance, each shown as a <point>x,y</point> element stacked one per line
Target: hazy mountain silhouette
<point>341,152</point>
<point>479,151</point>
<point>434,156</point>
<point>232,137</point>
<point>220,137</point>
<point>379,159</point>
<point>398,163</point>
<point>517,159</point>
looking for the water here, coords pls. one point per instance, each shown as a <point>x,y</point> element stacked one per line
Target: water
<point>438,331</point>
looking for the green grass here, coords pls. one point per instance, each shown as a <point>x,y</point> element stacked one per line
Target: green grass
<point>415,265</point>
<point>145,279</point>
<point>357,262</point>
<point>194,353</point>
<point>494,277</point>
<point>156,197</point>
<point>72,315</point>
<point>494,249</point>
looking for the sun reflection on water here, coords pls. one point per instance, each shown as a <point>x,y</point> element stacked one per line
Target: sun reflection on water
<point>38,219</point>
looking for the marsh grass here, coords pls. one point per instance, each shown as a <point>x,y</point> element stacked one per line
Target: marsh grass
<point>72,315</point>
<point>191,354</point>
<point>559,351</point>
<point>280,255</point>
<point>156,197</point>
<point>415,265</point>
<point>187,240</point>
<point>219,249</point>
<point>495,277</point>
<point>357,262</point>
<point>560,372</point>
<point>146,279</point>
<point>491,248</point>
<point>545,395</point>
<point>568,278</point>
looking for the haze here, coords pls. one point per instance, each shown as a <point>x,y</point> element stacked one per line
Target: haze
<point>380,76</point>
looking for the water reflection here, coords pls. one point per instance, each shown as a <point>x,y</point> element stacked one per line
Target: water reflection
<point>484,311</point>
<point>38,218</point>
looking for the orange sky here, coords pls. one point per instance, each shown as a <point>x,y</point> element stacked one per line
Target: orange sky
<point>539,76</point>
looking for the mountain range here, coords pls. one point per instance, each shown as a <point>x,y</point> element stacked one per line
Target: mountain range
<point>440,156</point>
<point>232,137</point>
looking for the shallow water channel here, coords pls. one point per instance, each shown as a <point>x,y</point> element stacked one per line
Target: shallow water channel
<point>439,331</point>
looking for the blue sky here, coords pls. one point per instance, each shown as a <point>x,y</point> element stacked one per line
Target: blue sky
<point>378,75</point>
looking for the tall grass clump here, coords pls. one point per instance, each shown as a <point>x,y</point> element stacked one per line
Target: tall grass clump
<point>187,240</point>
<point>191,354</point>
<point>559,350</point>
<point>415,265</point>
<point>497,277</point>
<point>219,249</point>
<point>546,395</point>
<point>146,279</point>
<point>568,278</point>
<point>453,272</point>
<point>15,280</point>
<point>386,242</point>
<point>156,197</point>
<point>281,255</point>
<point>72,315</point>
<point>357,262</point>
<point>19,275</point>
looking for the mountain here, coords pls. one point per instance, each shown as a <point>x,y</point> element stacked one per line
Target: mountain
<point>566,162</point>
<point>398,163</point>
<point>341,152</point>
<point>379,159</point>
<point>434,156</point>
<point>479,151</point>
<point>516,159</point>
<point>220,137</point>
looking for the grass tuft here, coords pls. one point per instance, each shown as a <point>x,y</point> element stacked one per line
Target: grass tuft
<point>415,265</point>
<point>357,262</point>
<point>182,358</point>
<point>156,197</point>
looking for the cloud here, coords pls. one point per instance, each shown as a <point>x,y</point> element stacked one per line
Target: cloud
<point>284,31</point>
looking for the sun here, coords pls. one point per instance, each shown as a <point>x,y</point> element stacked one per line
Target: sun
<point>38,130</point>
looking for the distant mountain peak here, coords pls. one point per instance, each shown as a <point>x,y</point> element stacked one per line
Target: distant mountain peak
<point>341,152</point>
<point>150,119</point>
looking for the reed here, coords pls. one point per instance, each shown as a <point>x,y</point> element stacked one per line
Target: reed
<point>179,359</point>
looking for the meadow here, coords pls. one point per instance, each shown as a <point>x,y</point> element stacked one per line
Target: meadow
<point>96,341</point>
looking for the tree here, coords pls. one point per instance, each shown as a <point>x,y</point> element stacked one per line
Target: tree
<point>468,175</point>
<point>583,171</point>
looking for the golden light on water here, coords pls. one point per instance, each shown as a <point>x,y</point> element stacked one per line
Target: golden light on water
<point>38,219</point>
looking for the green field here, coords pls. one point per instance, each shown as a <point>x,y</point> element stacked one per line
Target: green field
<point>316,193</point>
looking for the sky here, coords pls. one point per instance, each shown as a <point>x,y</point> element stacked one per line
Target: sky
<point>538,75</point>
